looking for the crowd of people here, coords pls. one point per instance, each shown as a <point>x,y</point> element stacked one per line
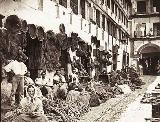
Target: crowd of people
<point>55,98</point>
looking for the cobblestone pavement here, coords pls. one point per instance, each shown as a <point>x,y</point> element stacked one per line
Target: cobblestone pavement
<point>111,110</point>
<point>137,111</point>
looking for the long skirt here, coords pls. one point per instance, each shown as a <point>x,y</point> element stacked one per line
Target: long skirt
<point>26,118</point>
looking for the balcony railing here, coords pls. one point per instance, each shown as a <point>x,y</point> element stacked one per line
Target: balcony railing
<point>138,34</point>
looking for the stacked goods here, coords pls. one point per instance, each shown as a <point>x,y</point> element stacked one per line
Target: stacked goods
<point>69,110</point>
<point>5,98</point>
<point>134,78</point>
<point>54,110</point>
<point>101,92</point>
<point>94,100</point>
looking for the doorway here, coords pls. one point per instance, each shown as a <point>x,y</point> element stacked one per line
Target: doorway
<point>150,62</point>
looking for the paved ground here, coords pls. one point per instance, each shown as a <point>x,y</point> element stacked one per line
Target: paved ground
<point>111,110</point>
<point>136,111</point>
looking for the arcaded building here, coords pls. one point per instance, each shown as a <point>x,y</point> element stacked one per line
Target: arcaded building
<point>102,25</point>
<point>145,34</point>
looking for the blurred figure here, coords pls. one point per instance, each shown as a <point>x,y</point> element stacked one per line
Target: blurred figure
<point>27,79</point>
<point>140,70</point>
<point>75,77</point>
<point>61,85</point>
<point>45,84</point>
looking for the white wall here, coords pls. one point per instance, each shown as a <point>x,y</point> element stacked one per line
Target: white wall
<point>52,16</point>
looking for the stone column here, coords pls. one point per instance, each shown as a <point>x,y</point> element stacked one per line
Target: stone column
<point>40,5</point>
<point>79,7</point>
<point>111,5</point>
<point>68,4</point>
<point>70,11</point>
<point>100,20</point>
<point>57,8</point>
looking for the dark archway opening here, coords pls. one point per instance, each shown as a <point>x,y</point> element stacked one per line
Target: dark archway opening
<point>150,63</point>
<point>150,60</point>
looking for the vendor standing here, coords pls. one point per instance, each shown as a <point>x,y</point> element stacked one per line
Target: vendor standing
<point>16,69</point>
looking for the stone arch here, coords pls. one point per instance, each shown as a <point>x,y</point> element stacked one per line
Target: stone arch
<point>149,47</point>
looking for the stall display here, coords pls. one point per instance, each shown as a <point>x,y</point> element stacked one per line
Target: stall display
<point>49,51</point>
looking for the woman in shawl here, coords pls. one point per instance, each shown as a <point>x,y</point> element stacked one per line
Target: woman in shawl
<point>31,107</point>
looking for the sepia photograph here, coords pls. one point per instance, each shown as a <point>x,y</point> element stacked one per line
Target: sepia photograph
<point>80,60</point>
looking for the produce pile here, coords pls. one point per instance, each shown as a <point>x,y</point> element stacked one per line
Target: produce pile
<point>78,101</point>
<point>135,81</point>
<point>69,110</point>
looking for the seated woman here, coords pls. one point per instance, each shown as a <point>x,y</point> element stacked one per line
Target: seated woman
<point>60,84</point>
<point>31,107</point>
<point>45,84</point>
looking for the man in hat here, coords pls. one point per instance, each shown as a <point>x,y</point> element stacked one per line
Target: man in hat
<point>16,70</point>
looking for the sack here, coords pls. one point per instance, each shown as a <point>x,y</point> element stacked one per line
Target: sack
<point>94,100</point>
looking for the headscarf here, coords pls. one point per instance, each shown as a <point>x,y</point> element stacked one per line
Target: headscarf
<point>35,93</point>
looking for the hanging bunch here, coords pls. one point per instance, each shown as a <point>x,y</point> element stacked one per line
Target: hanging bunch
<point>66,43</point>
<point>93,39</point>
<point>115,49</point>
<point>40,33</point>
<point>85,49</point>
<point>13,24</point>
<point>61,37</point>
<point>80,53</point>
<point>14,38</point>
<point>109,56</point>
<point>89,50</point>
<point>3,44</point>
<point>24,26</point>
<point>74,41</point>
<point>52,51</point>
<point>51,36</point>
<point>32,30</point>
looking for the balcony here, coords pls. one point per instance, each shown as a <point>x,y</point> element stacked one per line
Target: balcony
<point>139,35</point>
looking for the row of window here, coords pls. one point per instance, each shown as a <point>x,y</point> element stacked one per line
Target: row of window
<point>96,17</point>
<point>143,6</point>
<point>114,31</point>
<point>118,12</point>
<point>94,14</point>
<point>115,9</point>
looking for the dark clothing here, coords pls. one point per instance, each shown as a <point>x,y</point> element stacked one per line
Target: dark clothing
<point>17,86</point>
<point>34,53</point>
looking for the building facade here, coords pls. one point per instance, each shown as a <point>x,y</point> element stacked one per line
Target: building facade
<point>145,34</point>
<point>105,20</point>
